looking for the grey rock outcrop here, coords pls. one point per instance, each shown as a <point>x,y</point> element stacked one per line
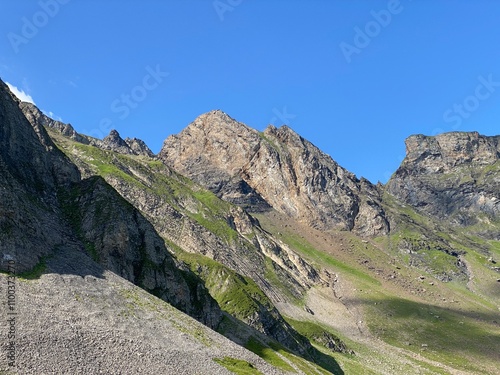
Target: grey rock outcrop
<point>119,238</point>
<point>114,142</point>
<point>453,176</point>
<point>276,168</point>
<point>128,146</point>
<point>32,169</point>
<point>139,147</point>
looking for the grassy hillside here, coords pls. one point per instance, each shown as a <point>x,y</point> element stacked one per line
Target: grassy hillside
<point>409,318</point>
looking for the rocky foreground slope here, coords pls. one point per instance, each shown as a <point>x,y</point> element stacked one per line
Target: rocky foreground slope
<point>259,236</point>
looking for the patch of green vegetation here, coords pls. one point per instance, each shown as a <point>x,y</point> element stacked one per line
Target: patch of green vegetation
<point>323,359</point>
<point>108,163</point>
<point>210,201</point>
<point>272,277</point>
<point>323,364</point>
<point>489,169</point>
<point>238,366</point>
<point>440,262</point>
<point>238,295</point>
<point>437,333</point>
<point>36,271</point>
<point>406,212</point>
<point>324,259</point>
<point>212,213</point>
<point>495,248</point>
<point>217,226</point>
<point>268,354</point>
<point>315,332</point>
<point>155,164</point>
<point>273,145</point>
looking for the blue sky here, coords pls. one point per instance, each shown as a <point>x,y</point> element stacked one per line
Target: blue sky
<point>353,77</point>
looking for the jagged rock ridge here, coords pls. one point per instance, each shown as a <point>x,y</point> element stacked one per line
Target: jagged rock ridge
<point>453,176</point>
<point>276,168</point>
<point>112,142</point>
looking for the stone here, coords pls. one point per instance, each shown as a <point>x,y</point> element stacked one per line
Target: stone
<point>276,168</point>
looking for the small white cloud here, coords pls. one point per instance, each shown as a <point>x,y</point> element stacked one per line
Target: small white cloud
<point>21,95</point>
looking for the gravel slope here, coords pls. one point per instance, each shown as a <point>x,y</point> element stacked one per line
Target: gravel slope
<point>85,320</point>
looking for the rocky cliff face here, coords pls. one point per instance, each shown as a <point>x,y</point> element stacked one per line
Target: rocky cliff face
<point>46,207</point>
<point>31,170</point>
<point>453,176</point>
<point>276,168</point>
<point>119,238</point>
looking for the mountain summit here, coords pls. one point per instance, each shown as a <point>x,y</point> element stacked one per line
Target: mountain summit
<point>453,176</point>
<point>274,169</point>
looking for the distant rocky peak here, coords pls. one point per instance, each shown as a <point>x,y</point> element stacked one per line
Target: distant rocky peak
<point>443,152</point>
<point>217,122</point>
<point>114,142</point>
<point>451,176</point>
<point>114,137</point>
<point>139,147</point>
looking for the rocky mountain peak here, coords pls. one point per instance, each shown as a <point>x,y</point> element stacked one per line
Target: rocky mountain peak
<point>452,176</point>
<point>443,152</point>
<point>217,121</point>
<point>139,147</point>
<point>276,168</point>
<point>114,142</point>
<point>211,144</point>
<point>130,146</point>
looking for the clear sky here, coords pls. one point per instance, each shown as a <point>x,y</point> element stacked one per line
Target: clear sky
<point>353,77</point>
